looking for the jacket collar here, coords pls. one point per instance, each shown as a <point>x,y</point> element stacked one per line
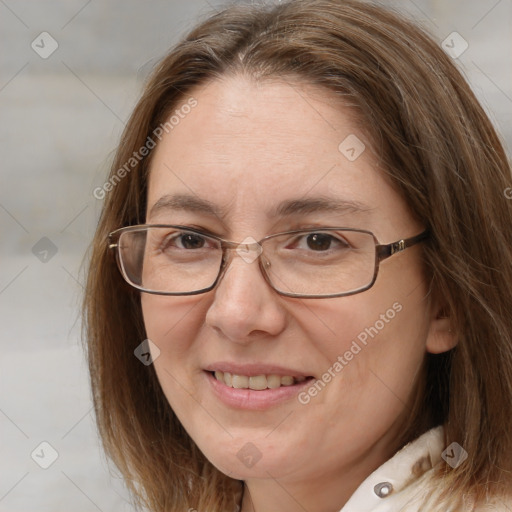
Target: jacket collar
<point>394,481</point>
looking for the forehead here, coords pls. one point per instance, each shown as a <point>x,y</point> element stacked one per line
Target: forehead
<point>247,146</point>
<point>276,120</point>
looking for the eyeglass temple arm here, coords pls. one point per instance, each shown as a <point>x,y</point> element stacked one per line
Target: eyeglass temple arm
<point>385,251</point>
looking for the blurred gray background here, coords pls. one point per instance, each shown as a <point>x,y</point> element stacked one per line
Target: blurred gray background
<point>61,114</point>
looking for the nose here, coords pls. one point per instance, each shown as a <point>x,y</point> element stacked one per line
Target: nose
<point>244,304</point>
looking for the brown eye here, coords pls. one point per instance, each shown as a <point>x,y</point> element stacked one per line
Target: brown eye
<point>182,241</point>
<point>321,242</point>
<point>190,241</point>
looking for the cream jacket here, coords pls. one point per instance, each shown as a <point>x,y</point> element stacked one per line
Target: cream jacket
<point>393,487</point>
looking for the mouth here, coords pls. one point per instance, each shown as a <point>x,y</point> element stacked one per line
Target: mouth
<point>257,382</point>
<point>257,392</point>
<point>254,385</point>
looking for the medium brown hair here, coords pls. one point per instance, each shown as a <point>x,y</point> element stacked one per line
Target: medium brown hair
<point>440,151</point>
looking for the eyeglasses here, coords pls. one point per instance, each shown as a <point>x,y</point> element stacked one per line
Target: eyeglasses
<point>310,263</point>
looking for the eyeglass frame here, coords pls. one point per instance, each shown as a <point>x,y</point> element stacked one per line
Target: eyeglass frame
<point>382,252</point>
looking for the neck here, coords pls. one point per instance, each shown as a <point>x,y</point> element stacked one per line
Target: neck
<point>316,490</point>
<point>274,494</point>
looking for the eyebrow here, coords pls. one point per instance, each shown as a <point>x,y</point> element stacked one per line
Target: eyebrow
<point>289,207</point>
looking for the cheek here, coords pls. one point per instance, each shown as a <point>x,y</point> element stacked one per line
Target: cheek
<point>172,323</point>
<point>375,347</point>
<point>350,325</point>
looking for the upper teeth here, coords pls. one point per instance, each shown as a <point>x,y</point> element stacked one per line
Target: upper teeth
<point>257,382</point>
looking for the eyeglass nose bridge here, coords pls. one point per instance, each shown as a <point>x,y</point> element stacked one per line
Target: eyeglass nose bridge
<point>249,250</point>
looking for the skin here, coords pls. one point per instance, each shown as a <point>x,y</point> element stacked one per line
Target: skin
<point>246,147</point>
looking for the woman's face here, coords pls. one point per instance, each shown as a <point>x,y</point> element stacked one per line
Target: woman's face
<point>246,148</point>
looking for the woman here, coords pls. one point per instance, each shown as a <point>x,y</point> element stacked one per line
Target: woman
<point>311,305</point>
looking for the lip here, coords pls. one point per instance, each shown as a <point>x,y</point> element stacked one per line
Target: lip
<point>254,369</point>
<point>250,399</point>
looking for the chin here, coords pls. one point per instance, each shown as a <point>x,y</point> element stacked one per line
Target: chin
<point>244,457</point>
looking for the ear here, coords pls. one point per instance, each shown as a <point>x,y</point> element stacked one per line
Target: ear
<point>441,336</point>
